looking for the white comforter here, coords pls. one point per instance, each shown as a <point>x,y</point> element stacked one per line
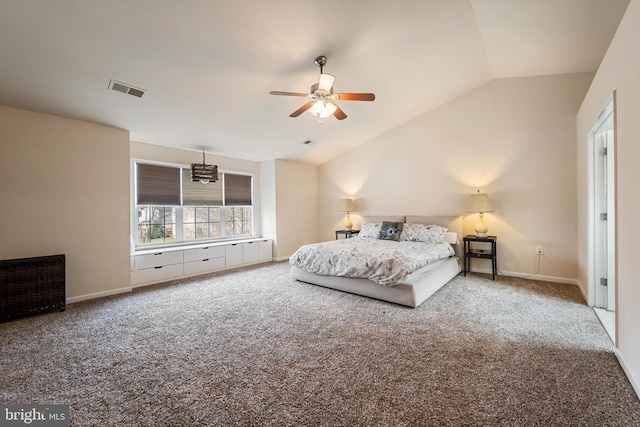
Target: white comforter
<point>385,262</point>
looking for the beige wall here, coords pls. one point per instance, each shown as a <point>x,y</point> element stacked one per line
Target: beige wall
<point>64,189</point>
<point>511,138</point>
<point>296,206</point>
<point>619,71</point>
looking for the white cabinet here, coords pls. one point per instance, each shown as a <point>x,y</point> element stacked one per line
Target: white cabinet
<point>203,260</point>
<point>200,254</point>
<point>250,252</point>
<point>204,266</point>
<point>156,274</point>
<point>156,267</point>
<point>265,250</point>
<point>233,254</point>
<point>158,259</point>
<point>153,267</point>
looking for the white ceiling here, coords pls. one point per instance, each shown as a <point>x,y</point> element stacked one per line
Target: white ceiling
<point>208,66</point>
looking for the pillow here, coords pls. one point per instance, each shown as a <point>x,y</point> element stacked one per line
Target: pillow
<point>423,233</point>
<point>451,237</point>
<point>390,230</point>
<point>370,230</point>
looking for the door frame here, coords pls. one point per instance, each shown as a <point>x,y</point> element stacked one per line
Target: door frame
<point>608,112</point>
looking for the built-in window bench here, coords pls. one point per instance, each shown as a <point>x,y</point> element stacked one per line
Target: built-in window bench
<point>158,265</point>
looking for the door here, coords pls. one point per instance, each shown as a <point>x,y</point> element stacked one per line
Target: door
<point>602,256</point>
<point>604,218</point>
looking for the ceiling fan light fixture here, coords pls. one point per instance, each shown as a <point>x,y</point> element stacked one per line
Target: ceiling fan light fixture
<point>322,109</point>
<point>326,82</point>
<point>322,103</point>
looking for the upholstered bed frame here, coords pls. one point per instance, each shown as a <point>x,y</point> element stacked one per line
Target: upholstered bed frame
<point>417,289</point>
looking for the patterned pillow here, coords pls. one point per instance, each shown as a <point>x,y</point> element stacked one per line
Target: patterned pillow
<point>423,233</point>
<point>390,230</point>
<point>370,230</point>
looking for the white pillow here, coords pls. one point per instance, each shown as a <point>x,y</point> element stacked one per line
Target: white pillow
<point>370,230</point>
<point>451,237</point>
<point>423,233</point>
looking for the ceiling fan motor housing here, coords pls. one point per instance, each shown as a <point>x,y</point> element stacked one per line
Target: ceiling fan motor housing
<point>321,61</point>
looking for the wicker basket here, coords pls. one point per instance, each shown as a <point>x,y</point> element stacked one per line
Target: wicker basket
<point>31,285</point>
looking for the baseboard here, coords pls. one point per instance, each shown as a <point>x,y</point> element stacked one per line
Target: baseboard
<point>98,295</point>
<point>583,292</point>
<point>554,279</point>
<point>286,258</point>
<point>634,384</point>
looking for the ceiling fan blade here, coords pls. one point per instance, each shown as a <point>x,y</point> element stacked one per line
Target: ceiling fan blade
<point>277,92</point>
<point>339,114</point>
<point>356,96</point>
<point>302,109</point>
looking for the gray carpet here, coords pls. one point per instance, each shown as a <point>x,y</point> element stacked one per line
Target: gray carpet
<point>251,347</point>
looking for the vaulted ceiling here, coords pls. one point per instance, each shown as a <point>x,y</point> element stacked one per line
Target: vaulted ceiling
<point>207,66</point>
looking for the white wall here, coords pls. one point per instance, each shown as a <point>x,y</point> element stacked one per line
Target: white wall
<point>619,71</point>
<point>511,138</point>
<point>285,193</point>
<point>143,151</point>
<point>64,189</point>
<point>268,218</point>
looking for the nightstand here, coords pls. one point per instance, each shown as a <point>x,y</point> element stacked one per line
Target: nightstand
<point>484,252</point>
<point>347,233</point>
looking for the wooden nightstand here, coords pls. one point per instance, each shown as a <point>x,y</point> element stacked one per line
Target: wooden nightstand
<point>485,253</point>
<point>347,233</point>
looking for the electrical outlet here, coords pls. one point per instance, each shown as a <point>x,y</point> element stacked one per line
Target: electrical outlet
<point>539,250</point>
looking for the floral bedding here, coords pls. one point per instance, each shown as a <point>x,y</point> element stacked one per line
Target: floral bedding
<point>385,262</point>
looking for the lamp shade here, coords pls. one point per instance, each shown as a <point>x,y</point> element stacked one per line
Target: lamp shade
<point>479,203</point>
<point>326,82</point>
<point>347,205</point>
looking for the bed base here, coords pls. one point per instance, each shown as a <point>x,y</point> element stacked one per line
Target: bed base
<point>410,295</point>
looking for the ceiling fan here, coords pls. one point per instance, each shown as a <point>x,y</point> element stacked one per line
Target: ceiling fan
<point>323,99</point>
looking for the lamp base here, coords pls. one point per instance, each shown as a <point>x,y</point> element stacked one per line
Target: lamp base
<point>348,225</point>
<point>481,227</point>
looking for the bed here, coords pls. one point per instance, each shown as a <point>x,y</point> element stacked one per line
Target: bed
<point>409,290</point>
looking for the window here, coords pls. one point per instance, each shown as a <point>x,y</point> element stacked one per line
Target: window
<point>201,222</point>
<point>156,224</point>
<point>169,208</point>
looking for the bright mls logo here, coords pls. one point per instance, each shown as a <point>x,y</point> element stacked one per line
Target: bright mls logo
<point>34,415</point>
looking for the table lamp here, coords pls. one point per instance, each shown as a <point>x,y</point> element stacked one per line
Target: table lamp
<point>480,203</point>
<point>347,205</point>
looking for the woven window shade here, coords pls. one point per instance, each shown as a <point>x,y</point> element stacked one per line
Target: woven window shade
<point>198,194</point>
<point>157,185</point>
<point>237,190</point>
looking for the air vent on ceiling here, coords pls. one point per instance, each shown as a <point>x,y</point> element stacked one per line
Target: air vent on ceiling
<point>126,88</point>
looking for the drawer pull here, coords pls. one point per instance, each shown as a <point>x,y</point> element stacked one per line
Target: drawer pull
<point>158,267</point>
<point>204,249</point>
<point>205,260</point>
<point>159,253</point>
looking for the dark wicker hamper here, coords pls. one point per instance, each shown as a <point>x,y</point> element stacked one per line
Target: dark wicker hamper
<point>31,286</point>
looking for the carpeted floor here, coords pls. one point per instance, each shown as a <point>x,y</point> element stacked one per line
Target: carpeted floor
<point>251,347</point>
